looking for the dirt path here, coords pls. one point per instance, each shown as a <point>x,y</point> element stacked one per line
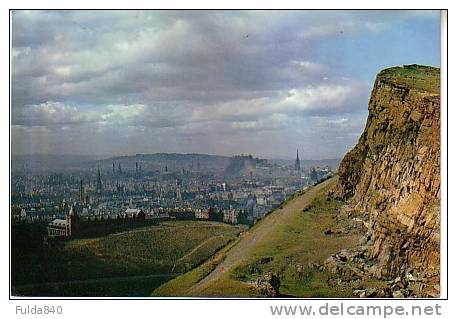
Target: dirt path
<point>165,225</point>
<point>195,249</point>
<point>242,250</point>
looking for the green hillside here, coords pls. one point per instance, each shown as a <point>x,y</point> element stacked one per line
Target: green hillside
<point>414,76</point>
<point>286,241</point>
<point>130,263</point>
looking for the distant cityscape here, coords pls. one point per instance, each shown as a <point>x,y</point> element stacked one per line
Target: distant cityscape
<point>237,190</point>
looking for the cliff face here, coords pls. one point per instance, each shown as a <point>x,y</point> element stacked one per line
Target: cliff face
<point>391,178</point>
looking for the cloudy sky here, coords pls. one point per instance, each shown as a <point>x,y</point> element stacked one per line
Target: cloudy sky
<point>224,82</point>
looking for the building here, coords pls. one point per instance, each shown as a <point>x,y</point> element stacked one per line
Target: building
<point>23,215</point>
<point>230,216</point>
<point>260,212</point>
<point>261,200</point>
<point>201,214</point>
<point>61,227</point>
<point>131,212</point>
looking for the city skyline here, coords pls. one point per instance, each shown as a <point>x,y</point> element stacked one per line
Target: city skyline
<point>226,82</point>
<point>291,156</point>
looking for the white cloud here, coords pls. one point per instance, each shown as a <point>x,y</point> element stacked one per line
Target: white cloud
<point>322,98</point>
<point>339,121</point>
<point>51,113</point>
<point>307,66</point>
<point>161,77</point>
<point>271,122</point>
<point>121,114</point>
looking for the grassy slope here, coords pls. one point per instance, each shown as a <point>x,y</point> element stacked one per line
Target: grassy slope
<point>291,235</point>
<point>79,265</point>
<point>419,77</point>
<point>133,286</point>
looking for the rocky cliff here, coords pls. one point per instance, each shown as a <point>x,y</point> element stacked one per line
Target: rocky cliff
<point>391,178</point>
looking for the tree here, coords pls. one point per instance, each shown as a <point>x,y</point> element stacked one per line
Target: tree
<point>313,175</point>
<point>243,217</point>
<point>212,214</point>
<point>220,216</point>
<point>216,215</point>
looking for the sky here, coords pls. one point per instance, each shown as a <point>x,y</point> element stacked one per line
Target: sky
<point>218,82</point>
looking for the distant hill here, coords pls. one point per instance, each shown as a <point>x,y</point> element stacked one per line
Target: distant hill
<point>306,164</point>
<point>162,161</point>
<point>44,162</point>
<point>156,161</point>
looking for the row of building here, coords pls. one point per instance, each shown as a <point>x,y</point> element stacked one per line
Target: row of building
<point>63,227</point>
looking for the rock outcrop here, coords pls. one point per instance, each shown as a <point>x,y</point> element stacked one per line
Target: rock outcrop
<point>391,178</point>
<point>268,284</point>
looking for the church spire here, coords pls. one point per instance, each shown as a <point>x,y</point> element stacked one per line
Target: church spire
<point>99,182</point>
<point>297,163</point>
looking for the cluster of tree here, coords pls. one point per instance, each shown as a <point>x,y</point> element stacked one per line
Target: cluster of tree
<point>216,215</point>
<point>103,227</point>
<point>243,218</point>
